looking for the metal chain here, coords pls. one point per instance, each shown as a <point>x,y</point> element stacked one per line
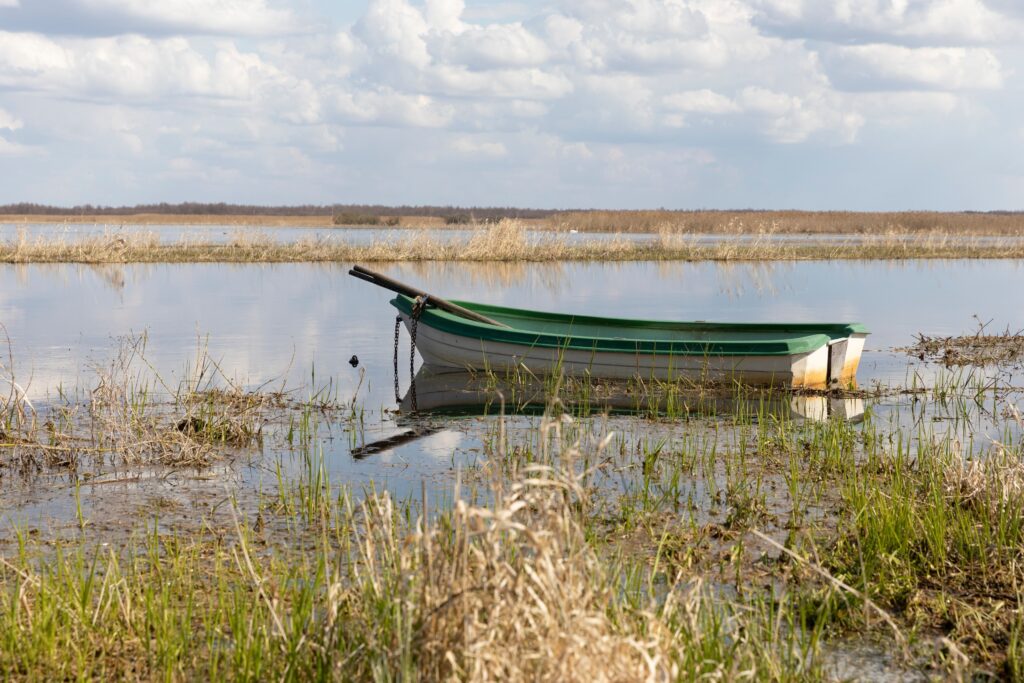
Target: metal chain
<point>398,327</point>
<point>417,311</point>
<point>412,361</point>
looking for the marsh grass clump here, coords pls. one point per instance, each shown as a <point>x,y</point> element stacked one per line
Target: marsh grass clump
<point>939,540</point>
<point>132,416</point>
<point>229,417</point>
<point>507,238</point>
<point>979,349</point>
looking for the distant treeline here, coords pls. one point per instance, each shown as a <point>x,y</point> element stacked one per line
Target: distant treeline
<point>223,209</point>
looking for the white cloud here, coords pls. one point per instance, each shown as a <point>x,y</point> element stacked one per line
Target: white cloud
<point>881,66</point>
<point>702,101</point>
<point>137,67</point>
<point>915,21</point>
<point>479,148</point>
<point>903,109</point>
<point>9,3</point>
<point>394,31</point>
<point>8,121</point>
<point>509,45</point>
<point>607,95</point>
<point>445,15</point>
<point>596,34</point>
<point>11,149</point>
<point>791,119</point>
<point>234,17</point>
<point>388,107</point>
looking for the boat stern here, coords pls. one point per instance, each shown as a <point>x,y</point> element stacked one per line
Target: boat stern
<point>844,358</point>
<point>810,370</point>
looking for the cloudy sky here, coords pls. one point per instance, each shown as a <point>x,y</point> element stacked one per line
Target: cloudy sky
<point>835,104</point>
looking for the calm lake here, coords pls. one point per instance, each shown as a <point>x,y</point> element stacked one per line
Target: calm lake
<point>297,325</point>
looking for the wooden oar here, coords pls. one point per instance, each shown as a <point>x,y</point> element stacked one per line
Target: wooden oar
<point>402,288</point>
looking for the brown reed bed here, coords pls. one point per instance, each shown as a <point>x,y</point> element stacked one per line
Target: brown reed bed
<point>793,222</point>
<point>507,241</point>
<point>649,221</point>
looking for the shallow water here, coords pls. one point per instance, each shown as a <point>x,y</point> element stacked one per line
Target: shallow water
<point>283,321</point>
<point>297,325</point>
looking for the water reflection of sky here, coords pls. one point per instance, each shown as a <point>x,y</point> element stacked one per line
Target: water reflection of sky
<point>284,321</point>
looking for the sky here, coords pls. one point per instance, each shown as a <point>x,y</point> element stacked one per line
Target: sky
<point>681,104</point>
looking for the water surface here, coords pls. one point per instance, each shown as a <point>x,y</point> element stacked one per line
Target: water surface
<point>298,325</point>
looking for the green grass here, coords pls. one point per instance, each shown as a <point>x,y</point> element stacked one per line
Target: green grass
<point>697,535</point>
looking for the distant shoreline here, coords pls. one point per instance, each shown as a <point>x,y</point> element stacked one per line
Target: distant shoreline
<point>688,222</point>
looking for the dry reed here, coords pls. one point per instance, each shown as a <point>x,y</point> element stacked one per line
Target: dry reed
<point>695,221</point>
<point>511,593</point>
<point>793,222</point>
<point>508,240</point>
<point>132,416</point>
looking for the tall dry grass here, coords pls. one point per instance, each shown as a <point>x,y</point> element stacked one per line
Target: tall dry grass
<point>804,222</point>
<point>511,592</point>
<point>508,240</point>
<point>132,416</point>
<point>696,221</point>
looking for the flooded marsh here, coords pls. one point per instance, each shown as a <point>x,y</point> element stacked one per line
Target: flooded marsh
<point>505,241</point>
<point>196,481</point>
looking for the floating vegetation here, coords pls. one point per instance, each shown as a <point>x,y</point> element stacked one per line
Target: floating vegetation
<point>978,349</point>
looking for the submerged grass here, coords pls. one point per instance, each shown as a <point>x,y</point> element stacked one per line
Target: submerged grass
<point>505,241</point>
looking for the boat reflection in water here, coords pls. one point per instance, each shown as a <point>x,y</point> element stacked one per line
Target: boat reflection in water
<point>469,393</point>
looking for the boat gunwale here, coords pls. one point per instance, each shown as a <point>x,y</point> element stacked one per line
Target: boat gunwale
<point>790,345</point>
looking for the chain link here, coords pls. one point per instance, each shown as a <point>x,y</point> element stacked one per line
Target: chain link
<point>412,362</point>
<point>398,327</point>
<point>417,311</point>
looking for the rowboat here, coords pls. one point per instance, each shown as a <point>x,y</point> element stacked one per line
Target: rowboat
<point>797,355</point>
<point>464,335</point>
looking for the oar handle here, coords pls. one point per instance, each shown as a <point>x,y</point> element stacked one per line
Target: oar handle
<point>402,288</point>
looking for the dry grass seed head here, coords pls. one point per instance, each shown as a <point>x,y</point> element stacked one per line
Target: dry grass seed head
<point>514,593</point>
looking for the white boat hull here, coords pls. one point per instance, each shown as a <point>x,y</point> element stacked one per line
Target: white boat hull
<point>833,362</point>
